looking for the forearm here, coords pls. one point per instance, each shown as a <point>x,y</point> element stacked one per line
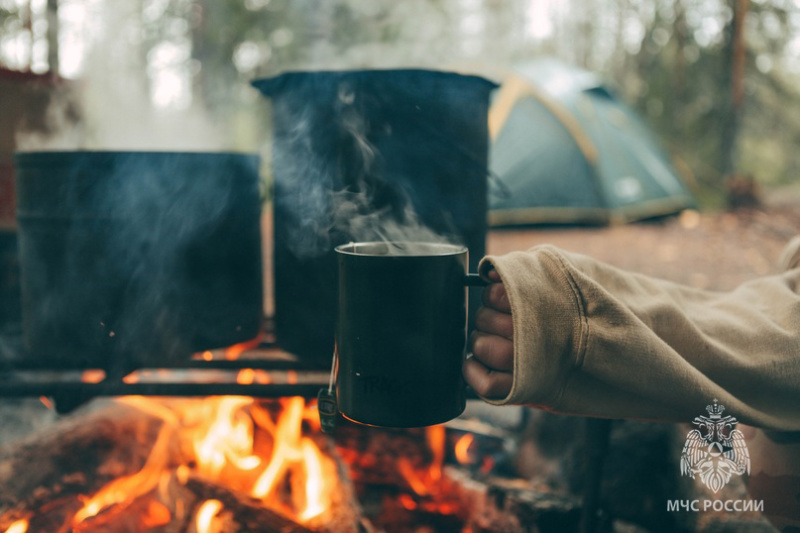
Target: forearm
<point>594,340</point>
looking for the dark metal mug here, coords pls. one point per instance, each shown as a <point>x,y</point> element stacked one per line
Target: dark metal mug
<point>401,332</point>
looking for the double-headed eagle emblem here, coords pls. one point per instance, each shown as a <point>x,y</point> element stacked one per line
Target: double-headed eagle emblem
<point>715,450</point>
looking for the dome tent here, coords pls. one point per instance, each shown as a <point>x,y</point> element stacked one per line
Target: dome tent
<point>566,150</point>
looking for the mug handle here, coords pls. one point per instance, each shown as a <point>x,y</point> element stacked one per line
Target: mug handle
<point>475,280</point>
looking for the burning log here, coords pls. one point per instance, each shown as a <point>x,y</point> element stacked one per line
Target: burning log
<point>42,476</point>
<point>241,513</point>
<point>170,465</point>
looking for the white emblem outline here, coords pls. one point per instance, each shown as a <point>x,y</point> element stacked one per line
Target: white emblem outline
<point>716,450</point>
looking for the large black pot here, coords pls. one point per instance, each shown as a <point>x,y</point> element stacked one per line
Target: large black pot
<point>132,258</point>
<point>352,143</point>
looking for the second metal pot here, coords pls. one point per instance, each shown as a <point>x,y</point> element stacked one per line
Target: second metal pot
<point>135,258</point>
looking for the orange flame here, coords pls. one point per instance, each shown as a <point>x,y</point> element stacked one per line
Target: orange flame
<point>227,440</point>
<point>220,433</point>
<point>20,526</point>
<point>415,479</point>
<point>311,416</point>
<point>233,352</point>
<point>316,498</point>
<point>205,515</point>
<point>462,448</point>
<point>436,436</point>
<point>286,449</point>
<point>426,481</point>
<point>300,459</point>
<point>124,490</point>
<point>156,514</point>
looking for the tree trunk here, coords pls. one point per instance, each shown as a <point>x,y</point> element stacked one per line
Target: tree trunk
<point>52,37</point>
<point>735,59</point>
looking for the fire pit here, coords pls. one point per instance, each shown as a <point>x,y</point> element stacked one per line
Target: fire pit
<point>233,463</point>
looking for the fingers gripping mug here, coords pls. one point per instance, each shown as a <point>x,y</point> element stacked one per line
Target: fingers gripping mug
<point>401,332</point>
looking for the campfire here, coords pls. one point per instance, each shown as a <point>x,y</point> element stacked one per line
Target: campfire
<point>231,452</point>
<point>235,463</point>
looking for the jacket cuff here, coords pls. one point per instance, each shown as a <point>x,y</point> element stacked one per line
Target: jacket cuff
<point>550,324</point>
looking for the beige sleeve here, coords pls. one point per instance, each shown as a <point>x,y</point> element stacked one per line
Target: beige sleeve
<point>591,339</point>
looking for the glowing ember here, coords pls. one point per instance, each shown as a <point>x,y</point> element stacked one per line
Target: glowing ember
<point>205,516</point>
<point>261,377</point>
<point>246,376</point>
<point>20,526</point>
<point>407,502</point>
<point>46,402</point>
<point>93,376</point>
<point>462,449</point>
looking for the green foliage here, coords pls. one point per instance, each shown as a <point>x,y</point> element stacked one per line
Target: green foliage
<point>688,86</point>
<point>670,58</point>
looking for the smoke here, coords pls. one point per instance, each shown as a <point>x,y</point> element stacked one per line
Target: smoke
<point>125,99</point>
<point>139,256</point>
<point>137,244</point>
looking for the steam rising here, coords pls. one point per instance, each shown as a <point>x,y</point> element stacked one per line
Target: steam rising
<point>337,192</point>
<point>353,216</point>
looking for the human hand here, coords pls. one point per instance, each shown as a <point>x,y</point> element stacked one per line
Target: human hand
<point>489,370</point>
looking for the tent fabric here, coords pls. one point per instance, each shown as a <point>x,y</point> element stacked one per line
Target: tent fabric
<point>567,150</point>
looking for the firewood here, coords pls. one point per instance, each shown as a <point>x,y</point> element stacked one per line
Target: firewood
<point>241,513</point>
<point>42,475</point>
<point>511,505</point>
<point>346,513</point>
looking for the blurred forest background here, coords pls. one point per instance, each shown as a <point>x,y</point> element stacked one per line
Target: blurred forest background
<point>719,80</point>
